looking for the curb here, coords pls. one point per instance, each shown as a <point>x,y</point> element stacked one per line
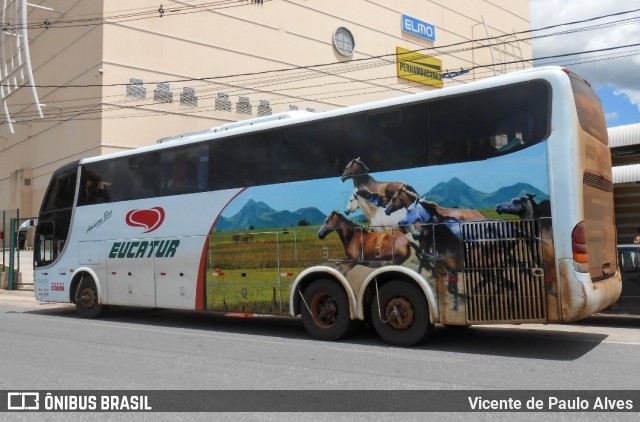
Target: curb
<point>18,292</point>
<point>18,296</point>
<point>25,298</point>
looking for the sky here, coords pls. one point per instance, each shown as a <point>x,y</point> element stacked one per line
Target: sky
<point>614,74</point>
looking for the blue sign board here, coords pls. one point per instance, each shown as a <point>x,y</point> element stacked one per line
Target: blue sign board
<point>419,28</point>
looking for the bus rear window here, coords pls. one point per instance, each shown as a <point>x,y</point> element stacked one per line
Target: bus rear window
<point>589,109</point>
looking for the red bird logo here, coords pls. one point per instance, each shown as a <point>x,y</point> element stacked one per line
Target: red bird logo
<point>148,219</point>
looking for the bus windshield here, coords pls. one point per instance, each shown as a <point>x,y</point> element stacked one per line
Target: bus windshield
<point>55,215</point>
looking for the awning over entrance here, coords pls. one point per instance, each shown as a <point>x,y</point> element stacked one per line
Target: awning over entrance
<point>626,174</point>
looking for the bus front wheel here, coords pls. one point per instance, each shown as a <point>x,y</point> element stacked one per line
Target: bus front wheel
<point>400,314</point>
<point>325,311</point>
<point>86,299</point>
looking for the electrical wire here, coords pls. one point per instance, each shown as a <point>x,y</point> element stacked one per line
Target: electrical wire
<point>391,56</point>
<point>352,67</point>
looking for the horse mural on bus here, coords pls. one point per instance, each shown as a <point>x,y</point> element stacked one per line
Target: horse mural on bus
<point>368,203</point>
<point>385,222</point>
<point>365,247</point>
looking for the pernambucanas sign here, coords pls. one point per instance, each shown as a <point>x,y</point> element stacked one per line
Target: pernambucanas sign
<point>419,68</point>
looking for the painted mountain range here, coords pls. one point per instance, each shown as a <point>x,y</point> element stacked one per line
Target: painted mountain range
<point>261,216</point>
<point>454,193</point>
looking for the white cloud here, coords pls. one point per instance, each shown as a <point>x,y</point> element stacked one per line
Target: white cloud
<point>600,69</point>
<point>611,116</point>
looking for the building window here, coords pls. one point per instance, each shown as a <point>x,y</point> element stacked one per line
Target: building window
<point>136,89</point>
<point>293,107</point>
<point>222,102</point>
<point>343,41</point>
<point>162,93</point>
<point>243,106</point>
<point>188,97</point>
<point>264,108</point>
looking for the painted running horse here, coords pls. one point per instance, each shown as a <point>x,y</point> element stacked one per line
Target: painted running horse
<point>367,247</point>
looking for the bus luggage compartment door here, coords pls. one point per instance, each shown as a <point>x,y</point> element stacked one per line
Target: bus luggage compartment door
<point>177,263</point>
<point>503,271</point>
<point>130,278</point>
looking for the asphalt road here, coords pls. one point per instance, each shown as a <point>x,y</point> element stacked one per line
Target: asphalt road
<point>47,346</point>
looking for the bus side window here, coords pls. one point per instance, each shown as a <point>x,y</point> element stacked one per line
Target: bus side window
<point>301,153</point>
<point>93,189</point>
<point>95,192</point>
<point>625,262</point>
<point>143,177</point>
<point>630,261</point>
<point>635,261</point>
<point>185,169</point>
<point>514,131</point>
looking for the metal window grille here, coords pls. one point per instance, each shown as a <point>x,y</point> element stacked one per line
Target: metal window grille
<point>293,107</point>
<point>223,103</point>
<point>136,89</point>
<point>188,97</point>
<point>162,93</point>
<point>243,106</point>
<point>264,108</point>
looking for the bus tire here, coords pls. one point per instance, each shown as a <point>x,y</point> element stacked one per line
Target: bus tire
<point>404,320</point>
<point>325,311</point>
<point>86,299</point>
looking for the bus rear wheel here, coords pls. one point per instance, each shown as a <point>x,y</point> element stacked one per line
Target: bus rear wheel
<point>86,300</point>
<point>325,311</point>
<point>400,314</point>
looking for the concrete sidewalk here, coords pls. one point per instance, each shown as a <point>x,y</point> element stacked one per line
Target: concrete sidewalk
<point>26,298</point>
<point>24,294</point>
<point>17,296</point>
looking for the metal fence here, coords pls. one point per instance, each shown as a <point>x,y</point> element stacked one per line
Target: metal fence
<point>503,271</point>
<point>16,265</point>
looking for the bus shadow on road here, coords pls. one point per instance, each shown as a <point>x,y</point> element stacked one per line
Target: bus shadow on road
<point>275,326</point>
<point>612,320</point>
<point>516,341</point>
<point>507,341</point>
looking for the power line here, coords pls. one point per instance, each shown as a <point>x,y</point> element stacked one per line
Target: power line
<point>351,66</point>
<point>387,88</point>
<point>149,113</point>
<point>147,13</point>
<point>378,57</point>
<point>303,77</point>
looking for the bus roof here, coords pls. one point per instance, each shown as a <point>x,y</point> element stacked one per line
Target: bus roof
<point>292,117</point>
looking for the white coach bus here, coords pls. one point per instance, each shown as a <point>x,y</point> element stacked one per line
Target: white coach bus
<point>483,203</point>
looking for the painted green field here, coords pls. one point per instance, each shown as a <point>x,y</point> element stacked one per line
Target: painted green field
<point>255,276</point>
<point>260,291</point>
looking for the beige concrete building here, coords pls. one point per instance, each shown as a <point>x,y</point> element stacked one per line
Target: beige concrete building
<point>114,75</point>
